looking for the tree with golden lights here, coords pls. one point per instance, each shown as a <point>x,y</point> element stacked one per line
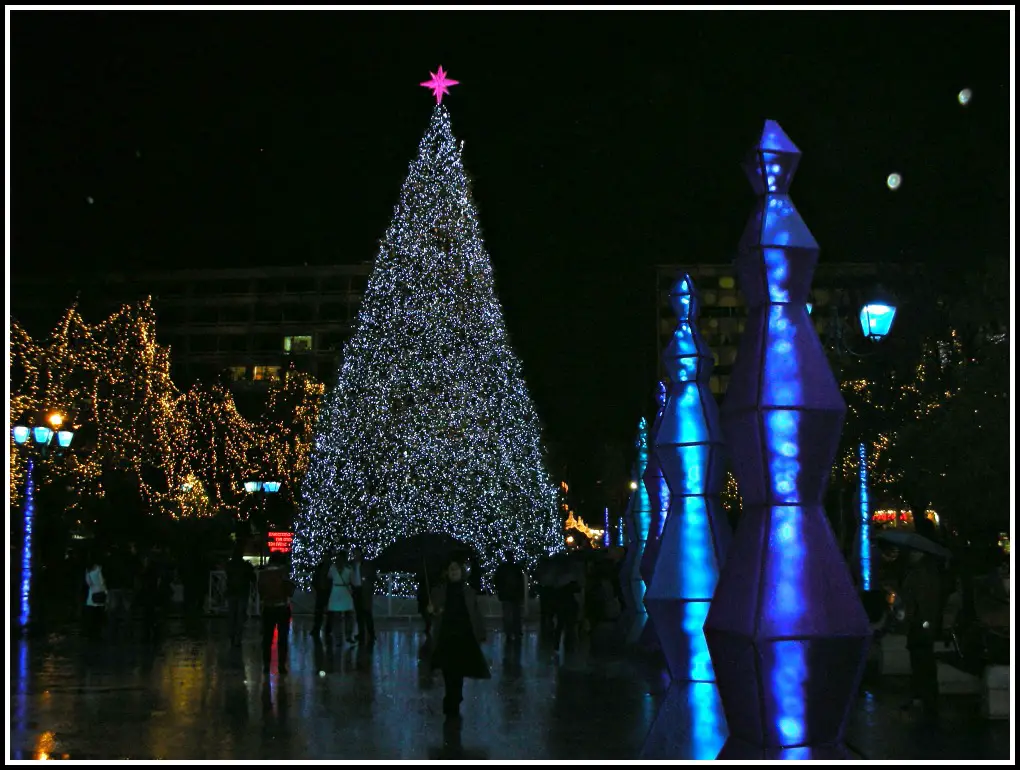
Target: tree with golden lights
<point>185,454</point>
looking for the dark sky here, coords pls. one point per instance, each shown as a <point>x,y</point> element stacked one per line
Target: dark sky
<point>601,144</point>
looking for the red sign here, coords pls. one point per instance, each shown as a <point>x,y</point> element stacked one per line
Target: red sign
<point>279,542</point>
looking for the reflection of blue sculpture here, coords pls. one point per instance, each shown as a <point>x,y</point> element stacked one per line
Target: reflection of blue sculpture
<point>786,630</point>
<point>689,448</point>
<point>634,617</point>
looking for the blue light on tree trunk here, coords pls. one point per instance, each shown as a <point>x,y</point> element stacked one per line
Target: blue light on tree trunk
<point>24,609</point>
<point>865,541</point>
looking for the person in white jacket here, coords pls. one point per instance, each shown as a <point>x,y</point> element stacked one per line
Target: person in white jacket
<point>341,600</point>
<point>95,602</point>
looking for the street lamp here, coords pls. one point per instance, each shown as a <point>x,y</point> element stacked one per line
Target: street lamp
<point>35,438</point>
<point>261,489</point>
<point>876,317</point>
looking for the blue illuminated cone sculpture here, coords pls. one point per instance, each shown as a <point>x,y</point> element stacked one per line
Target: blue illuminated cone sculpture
<point>658,498</point>
<point>787,632</point>
<point>634,617</point>
<point>689,448</point>
<point>658,492</point>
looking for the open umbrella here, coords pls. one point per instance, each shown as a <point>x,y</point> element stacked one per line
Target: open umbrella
<point>914,541</point>
<point>427,552</point>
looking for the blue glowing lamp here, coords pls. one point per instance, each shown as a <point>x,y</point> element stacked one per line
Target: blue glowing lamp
<point>64,438</point>
<point>252,486</point>
<point>877,317</point>
<point>270,486</point>
<point>42,435</point>
<point>21,434</point>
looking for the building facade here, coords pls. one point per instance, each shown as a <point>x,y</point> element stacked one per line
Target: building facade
<point>247,325</point>
<point>253,324</point>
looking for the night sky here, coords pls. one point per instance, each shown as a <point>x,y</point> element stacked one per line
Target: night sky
<point>601,144</point>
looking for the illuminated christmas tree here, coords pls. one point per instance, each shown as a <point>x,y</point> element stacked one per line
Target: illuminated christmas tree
<point>430,427</point>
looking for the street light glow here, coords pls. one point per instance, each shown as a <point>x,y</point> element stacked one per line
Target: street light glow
<point>56,420</point>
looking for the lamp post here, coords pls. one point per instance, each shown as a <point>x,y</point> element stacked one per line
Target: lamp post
<point>876,317</point>
<point>36,438</point>
<point>261,489</point>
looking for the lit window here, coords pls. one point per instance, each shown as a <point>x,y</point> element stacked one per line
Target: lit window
<point>266,373</point>
<point>297,344</point>
<point>727,282</point>
<point>237,372</point>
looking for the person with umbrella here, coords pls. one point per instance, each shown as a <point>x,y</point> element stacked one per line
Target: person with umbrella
<point>459,632</point>
<point>920,607</point>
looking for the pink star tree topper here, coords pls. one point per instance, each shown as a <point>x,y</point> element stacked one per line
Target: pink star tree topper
<point>439,84</point>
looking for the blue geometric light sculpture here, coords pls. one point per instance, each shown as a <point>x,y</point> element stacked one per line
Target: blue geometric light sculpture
<point>658,498</point>
<point>787,632</point>
<point>634,617</point>
<point>689,449</point>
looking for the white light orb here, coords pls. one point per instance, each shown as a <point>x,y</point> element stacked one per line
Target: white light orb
<point>964,96</point>
<point>322,673</point>
<point>90,199</point>
<point>894,181</point>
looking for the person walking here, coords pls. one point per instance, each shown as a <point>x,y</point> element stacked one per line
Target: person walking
<point>275,592</point>
<point>459,632</point>
<point>511,585</point>
<point>362,599</point>
<point>368,578</point>
<point>921,609</point>
<point>240,579</point>
<point>323,586</point>
<point>152,593</point>
<point>95,601</point>
<point>341,602</point>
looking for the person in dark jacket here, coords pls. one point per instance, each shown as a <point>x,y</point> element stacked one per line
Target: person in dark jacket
<point>323,586</point>
<point>921,609</point>
<point>459,632</point>
<point>275,591</point>
<point>240,579</point>
<point>511,585</point>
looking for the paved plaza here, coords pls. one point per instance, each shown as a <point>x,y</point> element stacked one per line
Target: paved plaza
<point>193,697</point>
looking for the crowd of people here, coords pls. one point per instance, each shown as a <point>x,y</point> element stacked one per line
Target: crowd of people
<point>578,595</point>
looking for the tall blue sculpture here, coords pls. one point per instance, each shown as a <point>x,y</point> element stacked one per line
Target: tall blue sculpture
<point>634,617</point>
<point>658,499</point>
<point>658,492</point>
<point>787,632</point>
<point>689,449</point>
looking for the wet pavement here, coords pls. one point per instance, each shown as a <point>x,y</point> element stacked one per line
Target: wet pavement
<point>193,697</point>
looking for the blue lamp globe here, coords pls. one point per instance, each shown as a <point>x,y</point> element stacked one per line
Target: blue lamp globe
<point>877,319</point>
<point>252,486</point>
<point>271,486</point>
<point>21,434</point>
<point>64,438</point>
<point>42,434</point>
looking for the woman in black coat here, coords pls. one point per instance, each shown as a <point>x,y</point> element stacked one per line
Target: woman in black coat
<point>458,632</point>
